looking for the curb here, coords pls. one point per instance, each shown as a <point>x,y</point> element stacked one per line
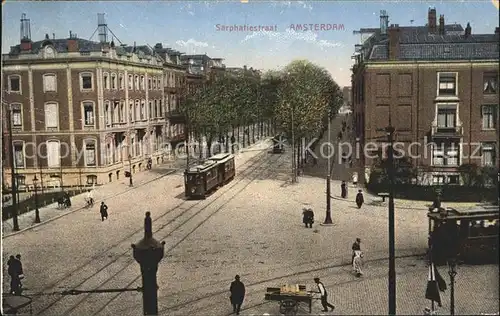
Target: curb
<point>83,207</point>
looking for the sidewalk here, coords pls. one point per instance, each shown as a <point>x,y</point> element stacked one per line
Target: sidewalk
<point>106,191</point>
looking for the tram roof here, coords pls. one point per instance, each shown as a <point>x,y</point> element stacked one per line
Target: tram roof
<point>475,213</point>
<point>206,165</point>
<point>223,156</point>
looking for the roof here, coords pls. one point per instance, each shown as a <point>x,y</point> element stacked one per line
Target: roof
<point>475,213</point>
<point>206,165</point>
<point>416,43</point>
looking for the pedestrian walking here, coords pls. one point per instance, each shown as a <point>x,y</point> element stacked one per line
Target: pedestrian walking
<point>308,217</point>
<point>233,140</point>
<point>356,246</point>
<point>360,199</point>
<point>237,290</point>
<point>14,271</point>
<point>324,296</point>
<point>357,263</point>
<point>343,188</point>
<point>104,211</point>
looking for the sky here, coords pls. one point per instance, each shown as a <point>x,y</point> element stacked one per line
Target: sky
<point>191,26</point>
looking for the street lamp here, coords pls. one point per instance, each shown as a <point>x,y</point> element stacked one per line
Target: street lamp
<point>37,212</point>
<point>392,264</point>
<point>130,169</point>
<point>148,252</point>
<point>452,271</point>
<point>328,218</point>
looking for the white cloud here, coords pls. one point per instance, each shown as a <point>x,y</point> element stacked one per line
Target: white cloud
<point>191,43</point>
<point>290,35</point>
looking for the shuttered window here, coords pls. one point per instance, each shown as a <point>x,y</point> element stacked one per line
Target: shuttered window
<point>51,115</point>
<point>53,154</point>
<point>49,83</point>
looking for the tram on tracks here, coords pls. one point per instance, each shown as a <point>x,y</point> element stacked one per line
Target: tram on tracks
<point>203,179</point>
<point>472,236</point>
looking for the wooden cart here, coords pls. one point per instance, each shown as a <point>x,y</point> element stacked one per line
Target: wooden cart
<point>296,293</point>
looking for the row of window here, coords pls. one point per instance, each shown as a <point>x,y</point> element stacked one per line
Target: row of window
<point>447,116</point>
<point>114,112</point>
<point>54,153</point>
<point>112,81</point>
<point>448,154</point>
<point>447,85</point>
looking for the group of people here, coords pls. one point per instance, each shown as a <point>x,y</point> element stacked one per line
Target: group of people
<point>359,197</point>
<point>64,200</point>
<point>15,271</point>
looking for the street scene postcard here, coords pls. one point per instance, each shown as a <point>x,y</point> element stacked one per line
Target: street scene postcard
<point>250,157</point>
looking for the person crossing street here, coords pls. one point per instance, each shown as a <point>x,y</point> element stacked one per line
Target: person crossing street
<point>324,295</point>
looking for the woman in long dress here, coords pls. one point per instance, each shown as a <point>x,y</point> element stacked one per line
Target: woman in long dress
<point>357,263</point>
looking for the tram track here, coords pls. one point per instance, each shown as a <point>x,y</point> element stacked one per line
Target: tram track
<point>185,209</point>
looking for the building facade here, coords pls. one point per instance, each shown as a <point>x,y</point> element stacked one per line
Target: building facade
<point>438,86</point>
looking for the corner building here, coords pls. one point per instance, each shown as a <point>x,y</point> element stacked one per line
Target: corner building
<point>438,84</point>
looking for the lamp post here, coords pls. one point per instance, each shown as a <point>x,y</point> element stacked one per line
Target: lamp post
<point>131,183</point>
<point>148,252</point>
<point>37,212</point>
<point>392,265</point>
<point>452,271</point>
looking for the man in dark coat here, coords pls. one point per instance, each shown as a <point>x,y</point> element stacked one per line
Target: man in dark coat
<point>308,217</point>
<point>237,290</point>
<point>359,199</point>
<point>104,211</point>
<point>343,188</point>
<point>67,199</point>
<point>324,296</point>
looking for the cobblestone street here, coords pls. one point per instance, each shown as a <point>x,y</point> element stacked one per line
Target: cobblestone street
<point>251,227</point>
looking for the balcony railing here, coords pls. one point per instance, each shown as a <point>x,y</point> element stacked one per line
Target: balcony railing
<point>447,131</point>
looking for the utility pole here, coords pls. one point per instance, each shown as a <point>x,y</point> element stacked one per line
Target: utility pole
<point>12,173</point>
<point>392,265</point>
<point>328,218</point>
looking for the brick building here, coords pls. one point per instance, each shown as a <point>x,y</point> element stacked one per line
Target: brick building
<point>439,85</point>
<point>85,112</point>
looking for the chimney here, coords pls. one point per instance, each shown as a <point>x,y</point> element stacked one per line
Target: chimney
<point>431,24</point>
<point>72,43</point>
<point>394,42</point>
<point>497,30</point>
<point>53,35</point>
<point>468,30</point>
<point>25,33</point>
<point>384,22</point>
<point>47,36</point>
<point>441,25</point>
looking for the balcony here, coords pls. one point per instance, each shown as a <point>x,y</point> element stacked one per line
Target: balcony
<point>447,132</point>
<point>175,116</point>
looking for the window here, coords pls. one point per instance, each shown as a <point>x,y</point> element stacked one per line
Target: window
<point>160,109</point>
<point>90,153</point>
<point>131,111</point>
<point>49,83</point>
<point>121,82</point>
<point>488,116</point>
<point>88,113</point>
<point>122,111</point>
<point>446,118</point>
<point>150,109</point>
<point>137,110</point>
<point>149,83</point>
<point>439,179</point>
<point>53,154</point>
<point>116,112</point>
<point>130,82</point>
<point>19,157</point>
<point>113,81</point>
<point>490,81</point>
<point>86,81</point>
<point>107,112</point>
<point>17,115</point>
<point>91,179</point>
<point>51,115</point>
<point>454,179</point>
<point>15,83</point>
<point>445,154</point>
<point>447,83</point>
<point>105,78</point>
<point>136,82</point>
<point>143,110</point>
<point>154,83</point>
<point>155,114</point>
<point>143,83</point>
<point>488,154</point>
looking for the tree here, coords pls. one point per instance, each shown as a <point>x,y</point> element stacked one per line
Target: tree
<point>404,172</point>
<point>470,174</point>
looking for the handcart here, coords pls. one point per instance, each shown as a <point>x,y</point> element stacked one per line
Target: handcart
<point>289,297</point>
